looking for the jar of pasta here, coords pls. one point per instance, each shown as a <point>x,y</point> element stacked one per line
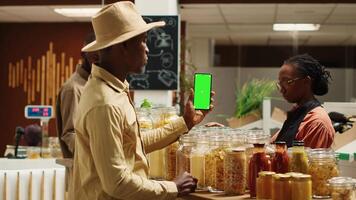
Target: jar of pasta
<point>264,185</point>
<point>214,162</point>
<point>168,115</point>
<point>301,185</point>
<point>323,166</point>
<point>342,188</point>
<point>235,171</point>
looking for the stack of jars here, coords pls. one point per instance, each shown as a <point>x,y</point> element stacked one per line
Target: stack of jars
<point>215,156</point>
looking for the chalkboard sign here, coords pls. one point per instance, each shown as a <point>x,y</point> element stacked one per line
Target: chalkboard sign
<point>162,68</point>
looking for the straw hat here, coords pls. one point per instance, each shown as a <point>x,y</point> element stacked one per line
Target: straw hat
<point>116,23</point>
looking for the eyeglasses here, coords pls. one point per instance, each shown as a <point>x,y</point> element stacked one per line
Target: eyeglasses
<point>287,82</point>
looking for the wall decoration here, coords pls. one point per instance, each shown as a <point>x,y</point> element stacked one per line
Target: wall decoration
<point>44,79</point>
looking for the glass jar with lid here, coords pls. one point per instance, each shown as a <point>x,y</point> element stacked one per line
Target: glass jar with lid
<point>145,118</point>
<point>301,187</point>
<point>281,189</point>
<point>342,188</point>
<point>197,161</point>
<point>237,138</point>
<point>258,162</point>
<point>323,166</point>
<point>235,171</point>
<point>184,151</point>
<point>264,185</point>
<point>214,162</point>
<point>156,117</point>
<point>299,158</point>
<point>254,137</point>
<point>169,114</point>
<point>280,160</point>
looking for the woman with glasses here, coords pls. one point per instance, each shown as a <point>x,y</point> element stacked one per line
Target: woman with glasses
<point>301,78</point>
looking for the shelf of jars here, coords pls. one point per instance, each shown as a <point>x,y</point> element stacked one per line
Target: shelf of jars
<point>228,162</point>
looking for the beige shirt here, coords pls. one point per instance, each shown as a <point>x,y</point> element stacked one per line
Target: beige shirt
<point>110,160</point>
<point>67,102</point>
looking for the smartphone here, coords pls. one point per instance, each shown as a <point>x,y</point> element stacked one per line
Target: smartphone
<point>202,91</point>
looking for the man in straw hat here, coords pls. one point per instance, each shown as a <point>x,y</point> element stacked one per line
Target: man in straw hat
<point>110,153</point>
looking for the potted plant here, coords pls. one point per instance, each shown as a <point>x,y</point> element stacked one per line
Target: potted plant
<point>249,100</point>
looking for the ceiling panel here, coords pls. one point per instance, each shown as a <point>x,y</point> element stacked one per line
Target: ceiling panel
<point>311,13</point>
<point>352,41</point>
<point>250,39</point>
<point>250,28</point>
<point>203,15</point>
<point>343,14</point>
<point>7,17</point>
<point>248,13</point>
<point>338,29</point>
<point>223,41</point>
<point>226,23</point>
<point>207,28</point>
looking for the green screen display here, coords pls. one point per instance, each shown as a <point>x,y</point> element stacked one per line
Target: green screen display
<point>202,89</point>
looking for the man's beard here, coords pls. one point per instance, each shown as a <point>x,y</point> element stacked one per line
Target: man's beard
<point>142,70</point>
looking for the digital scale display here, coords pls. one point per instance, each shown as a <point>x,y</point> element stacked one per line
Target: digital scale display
<point>38,112</point>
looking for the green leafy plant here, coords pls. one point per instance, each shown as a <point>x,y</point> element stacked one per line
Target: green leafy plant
<point>249,98</point>
<point>146,104</point>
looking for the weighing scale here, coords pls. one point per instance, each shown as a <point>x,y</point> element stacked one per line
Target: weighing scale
<point>44,114</point>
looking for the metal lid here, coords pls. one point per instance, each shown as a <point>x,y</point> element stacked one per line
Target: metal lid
<point>301,177</point>
<point>341,181</point>
<point>298,143</point>
<point>266,174</point>
<point>282,177</point>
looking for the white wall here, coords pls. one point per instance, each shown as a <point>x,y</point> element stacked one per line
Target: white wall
<point>225,80</point>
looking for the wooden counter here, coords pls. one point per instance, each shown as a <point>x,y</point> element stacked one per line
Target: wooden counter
<point>217,196</point>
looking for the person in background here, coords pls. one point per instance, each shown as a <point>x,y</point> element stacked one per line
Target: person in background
<point>301,78</point>
<point>110,152</point>
<point>68,99</point>
<point>33,135</point>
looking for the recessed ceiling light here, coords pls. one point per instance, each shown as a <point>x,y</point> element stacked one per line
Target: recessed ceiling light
<point>296,27</point>
<point>77,12</point>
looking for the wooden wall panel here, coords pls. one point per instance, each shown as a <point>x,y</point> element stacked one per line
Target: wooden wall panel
<point>25,46</point>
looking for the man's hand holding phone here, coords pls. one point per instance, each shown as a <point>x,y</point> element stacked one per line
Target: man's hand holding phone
<point>192,116</point>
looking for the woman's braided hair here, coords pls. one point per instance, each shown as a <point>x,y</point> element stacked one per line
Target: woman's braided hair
<point>308,66</point>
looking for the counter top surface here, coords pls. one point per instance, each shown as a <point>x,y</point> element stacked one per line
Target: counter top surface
<point>217,196</point>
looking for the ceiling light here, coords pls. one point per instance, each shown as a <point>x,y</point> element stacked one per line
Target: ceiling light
<point>77,12</point>
<point>296,27</point>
